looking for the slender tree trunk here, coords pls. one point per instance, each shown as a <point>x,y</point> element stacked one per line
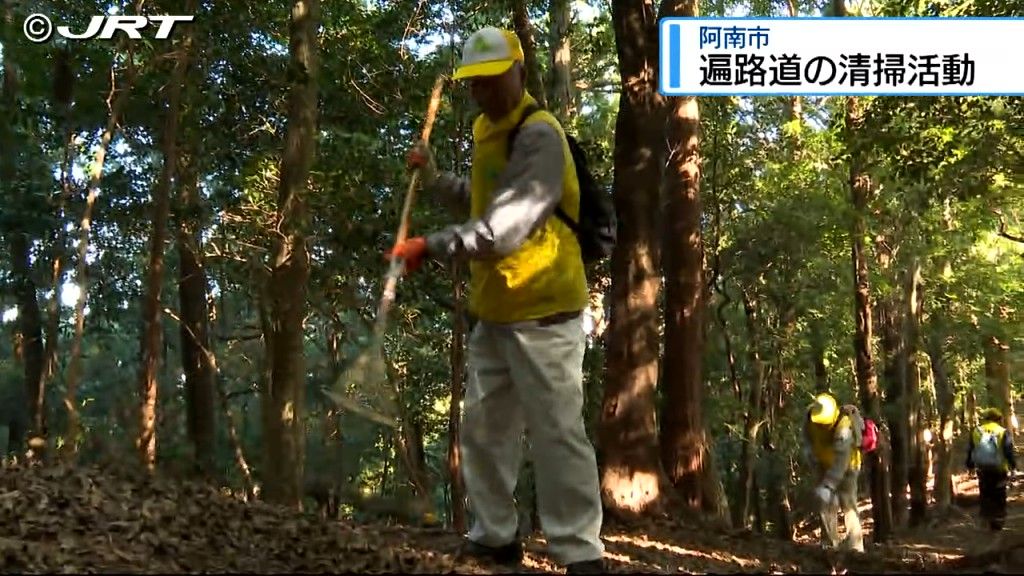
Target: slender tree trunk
<point>458,488</point>
<point>285,398</point>
<point>944,392</point>
<point>534,80</point>
<point>456,483</point>
<point>30,326</point>
<point>752,421</point>
<point>943,491</point>
<point>867,383</point>
<point>780,464</point>
<point>632,478</point>
<point>997,372</point>
<point>727,340</point>
<point>895,379</point>
<point>682,428</point>
<point>200,373</point>
<point>197,357</point>
<point>152,334</point>
<point>118,96</point>
<point>230,421</point>
<point>63,85</point>
<point>918,472</point>
<point>563,99</point>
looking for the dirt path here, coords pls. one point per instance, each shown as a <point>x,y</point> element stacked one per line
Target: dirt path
<point>73,520</point>
<point>952,543</point>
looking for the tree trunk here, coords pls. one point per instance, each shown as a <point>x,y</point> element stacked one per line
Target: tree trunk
<point>867,383</point>
<point>682,430</point>
<point>63,84</point>
<point>456,483</point>
<point>752,422</point>
<point>917,469</point>
<point>234,438</point>
<point>894,377</point>
<point>29,317</point>
<point>31,328</point>
<point>997,374</point>
<point>71,436</point>
<point>152,333</point>
<point>197,357</point>
<point>284,401</point>
<point>534,80</point>
<point>200,376</point>
<point>632,478</point>
<point>563,100</point>
<point>944,442</point>
<point>780,465</point>
<point>458,488</point>
<point>860,190</point>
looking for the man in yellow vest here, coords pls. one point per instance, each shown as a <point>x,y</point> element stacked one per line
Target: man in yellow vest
<point>990,452</point>
<point>832,444</point>
<point>527,292</point>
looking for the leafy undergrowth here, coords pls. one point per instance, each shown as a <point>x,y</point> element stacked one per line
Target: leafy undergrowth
<point>59,519</point>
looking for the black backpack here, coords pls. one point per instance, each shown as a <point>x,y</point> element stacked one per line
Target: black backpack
<point>597,229</point>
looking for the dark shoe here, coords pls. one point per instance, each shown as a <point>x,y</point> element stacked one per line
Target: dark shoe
<point>509,554</point>
<point>586,567</point>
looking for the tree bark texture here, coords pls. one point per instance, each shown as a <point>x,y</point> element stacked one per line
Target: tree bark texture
<point>284,396</point>
<point>867,382</point>
<point>29,317</point>
<point>563,98</point>
<point>632,478</point>
<point>682,428</point>
<point>524,30</point>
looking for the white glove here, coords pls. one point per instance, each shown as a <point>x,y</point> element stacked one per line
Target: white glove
<point>824,493</point>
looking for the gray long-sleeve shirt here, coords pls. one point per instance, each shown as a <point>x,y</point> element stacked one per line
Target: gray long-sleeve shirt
<point>842,449</point>
<point>527,193</point>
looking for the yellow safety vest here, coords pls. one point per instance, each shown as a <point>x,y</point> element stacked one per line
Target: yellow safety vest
<point>545,276</point>
<point>821,444</point>
<point>999,432</point>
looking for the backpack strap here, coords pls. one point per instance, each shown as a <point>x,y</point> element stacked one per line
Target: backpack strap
<point>527,112</point>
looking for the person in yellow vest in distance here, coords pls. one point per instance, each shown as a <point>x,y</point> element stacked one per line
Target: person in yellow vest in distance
<point>832,439</point>
<point>527,293</point>
<point>990,453</point>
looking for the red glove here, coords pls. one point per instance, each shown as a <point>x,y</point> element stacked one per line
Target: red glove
<point>416,158</point>
<point>412,251</point>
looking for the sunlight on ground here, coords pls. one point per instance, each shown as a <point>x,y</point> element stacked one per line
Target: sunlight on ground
<point>644,542</point>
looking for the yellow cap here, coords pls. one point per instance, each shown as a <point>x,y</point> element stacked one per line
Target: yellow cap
<point>489,52</point>
<point>824,409</point>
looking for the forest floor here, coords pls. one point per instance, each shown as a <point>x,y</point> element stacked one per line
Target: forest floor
<point>58,519</point>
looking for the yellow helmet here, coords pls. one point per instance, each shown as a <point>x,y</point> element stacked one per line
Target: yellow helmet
<point>824,410</point>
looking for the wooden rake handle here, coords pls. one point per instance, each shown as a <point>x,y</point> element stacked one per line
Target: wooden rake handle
<point>394,271</point>
<point>428,125</point>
